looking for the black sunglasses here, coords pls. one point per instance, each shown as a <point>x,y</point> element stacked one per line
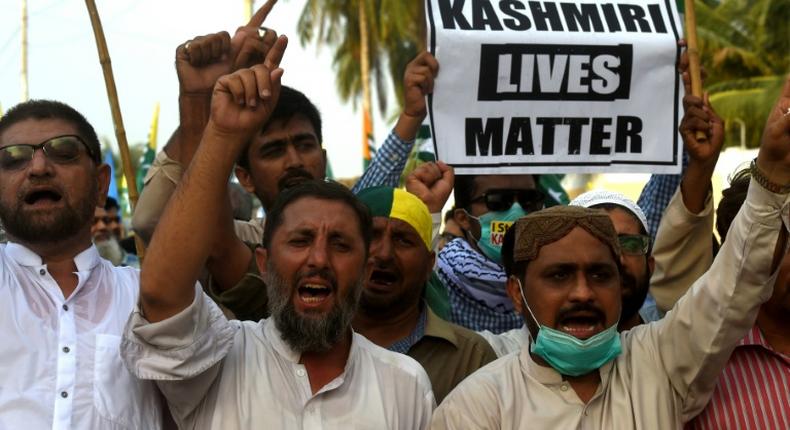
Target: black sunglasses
<point>498,200</point>
<point>60,149</point>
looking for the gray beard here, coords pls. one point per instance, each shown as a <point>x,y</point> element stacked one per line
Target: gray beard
<point>305,333</point>
<point>111,250</point>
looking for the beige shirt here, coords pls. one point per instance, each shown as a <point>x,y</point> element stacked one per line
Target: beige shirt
<point>681,235</point>
<point>220,374</point>
<point>160,183</point>
<point>667,370</point>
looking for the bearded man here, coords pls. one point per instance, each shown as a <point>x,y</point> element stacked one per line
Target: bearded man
<point>302,368</point>
<point>62,307</point>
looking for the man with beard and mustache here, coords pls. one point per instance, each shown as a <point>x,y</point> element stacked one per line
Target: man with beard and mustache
<point>106,231</point>
<point>62,307</point>
<point>393,313</point>
<point>303,367</point>
<point>578,371</point>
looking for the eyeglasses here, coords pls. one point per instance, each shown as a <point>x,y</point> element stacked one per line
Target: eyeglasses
<point>61,150</point>
<point>634,244</point>
<point>499,200</point>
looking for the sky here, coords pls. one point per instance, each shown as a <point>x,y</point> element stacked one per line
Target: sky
<point>142,36</point>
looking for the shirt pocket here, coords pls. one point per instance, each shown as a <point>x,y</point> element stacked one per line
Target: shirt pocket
<point>119,396</point>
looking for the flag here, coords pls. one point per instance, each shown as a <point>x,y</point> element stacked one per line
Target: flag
<point>123,200</point>
<point>110,161</point>
<point>150,150</point>
<point>552,187</point>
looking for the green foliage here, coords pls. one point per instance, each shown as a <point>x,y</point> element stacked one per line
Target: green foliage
<point>393,32</point>
<point>745,49</point>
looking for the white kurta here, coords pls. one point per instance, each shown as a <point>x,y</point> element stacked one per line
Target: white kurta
<point>667,370</point>
<point>60,366</point>
<point>219,374</point>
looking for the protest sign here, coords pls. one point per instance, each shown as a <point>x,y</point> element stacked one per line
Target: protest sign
<point>547,87</point>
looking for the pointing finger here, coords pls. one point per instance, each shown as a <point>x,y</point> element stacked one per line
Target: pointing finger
<point>261,14</point>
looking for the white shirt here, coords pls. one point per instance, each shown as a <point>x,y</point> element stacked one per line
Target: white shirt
<point>60,366</point>
<point>667,370</point>
<point>220,374</point>
<point>507,342</point>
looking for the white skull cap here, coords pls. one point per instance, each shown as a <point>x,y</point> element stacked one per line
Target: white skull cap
<point>601,197</point>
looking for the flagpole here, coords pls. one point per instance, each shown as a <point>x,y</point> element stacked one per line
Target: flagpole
<point>115,108</point>
<point>693,53</point>
<point>23,71</point>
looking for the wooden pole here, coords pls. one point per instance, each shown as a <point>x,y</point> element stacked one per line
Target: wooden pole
<point>693,53</point>
<point>364,63</point>
<point>115,108</point>
<point>23,71</point>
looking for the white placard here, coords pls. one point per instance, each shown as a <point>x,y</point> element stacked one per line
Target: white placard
<point>556,87</point>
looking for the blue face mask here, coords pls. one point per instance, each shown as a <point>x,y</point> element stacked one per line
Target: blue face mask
<point>493,226</point>
<point>570,355</point>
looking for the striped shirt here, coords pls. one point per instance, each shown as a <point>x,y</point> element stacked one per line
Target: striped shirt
<point>753,391</point>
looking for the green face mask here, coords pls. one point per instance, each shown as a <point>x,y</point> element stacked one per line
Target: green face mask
<point>493,226</point>
<point>570,355</point>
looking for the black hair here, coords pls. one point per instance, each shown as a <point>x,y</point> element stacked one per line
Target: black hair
<point>511,268</point>
<point>323,190</point>
<point>290,104</point>
<point>51,109</point>
<point>731,201</point>
<point>111,203</point>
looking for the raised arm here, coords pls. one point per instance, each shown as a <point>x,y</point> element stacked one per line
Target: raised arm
<point>693,342</point>
<point>683,249</point>
<point>199,63</point>
<point>390,160</point>
<point>241,104</point>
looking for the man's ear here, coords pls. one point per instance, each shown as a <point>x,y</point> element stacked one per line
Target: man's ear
<point>514,292</point>
<point>103,174</point>
<point>651,264</point>
<point>261,258</point>
<point>244,179</point>
<point>462,218</point>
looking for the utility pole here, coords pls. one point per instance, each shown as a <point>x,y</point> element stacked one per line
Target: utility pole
<point>248,9</point>
<point>25,93</point>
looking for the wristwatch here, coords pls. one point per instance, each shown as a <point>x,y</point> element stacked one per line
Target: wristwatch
<point>766,183</point>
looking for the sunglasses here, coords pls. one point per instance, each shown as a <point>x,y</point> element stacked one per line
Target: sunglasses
<point>499,200</point>
<point>634,244</point>
<point>60,150</point>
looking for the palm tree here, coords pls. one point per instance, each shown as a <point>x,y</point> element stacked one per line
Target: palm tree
<point>371,38</point>
<point>745,48</point>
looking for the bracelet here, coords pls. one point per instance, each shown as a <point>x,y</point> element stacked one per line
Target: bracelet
<point>766,183</point>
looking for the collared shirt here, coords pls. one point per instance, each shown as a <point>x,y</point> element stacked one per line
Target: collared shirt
<point>60,366</point>
<point>220,374</point>
<point>753,391</point>
<point>667,370</point>
<point>449,353</point>
<point>402,346</point>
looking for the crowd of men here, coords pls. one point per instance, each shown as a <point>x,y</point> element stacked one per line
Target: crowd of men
<point>341,310</point>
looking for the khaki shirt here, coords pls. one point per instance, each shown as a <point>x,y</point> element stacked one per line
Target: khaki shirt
<point>449,353</point>
<point>667,370</point>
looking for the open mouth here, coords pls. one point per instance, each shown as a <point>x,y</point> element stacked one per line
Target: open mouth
<point>43,196</point>
<point>383,278</point>
<point>314,294</point>
<point>581,326</point>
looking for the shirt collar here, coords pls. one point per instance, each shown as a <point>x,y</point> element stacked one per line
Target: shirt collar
<point>272,333</point>
<point>439,328</point>
<point>85,260</point>
<point>755,338</point>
